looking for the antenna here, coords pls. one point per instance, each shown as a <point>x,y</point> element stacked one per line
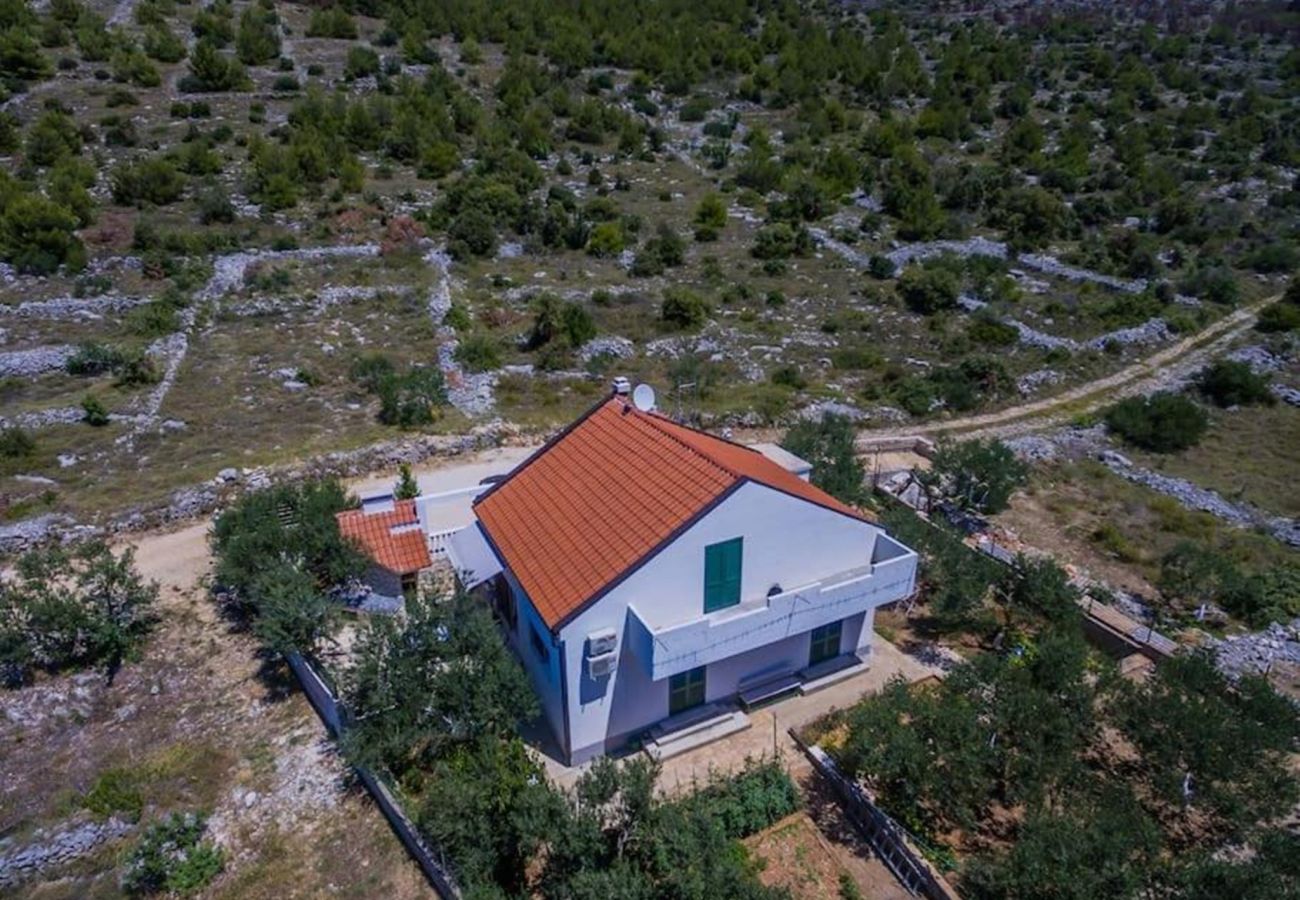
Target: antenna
<point>643,398</point>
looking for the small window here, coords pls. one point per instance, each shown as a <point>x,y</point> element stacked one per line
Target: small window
<point>539,644</point>
<point>825,643</point>
<point>722,574</point>
<point>685,691</point>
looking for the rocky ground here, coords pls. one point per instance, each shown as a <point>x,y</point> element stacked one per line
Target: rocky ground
<point>202,722</point>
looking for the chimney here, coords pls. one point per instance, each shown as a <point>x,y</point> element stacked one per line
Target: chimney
<point>622,387</point>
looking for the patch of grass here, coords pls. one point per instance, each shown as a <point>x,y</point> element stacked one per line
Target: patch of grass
<point>116,792</point>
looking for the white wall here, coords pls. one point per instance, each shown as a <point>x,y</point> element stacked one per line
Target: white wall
<point>787,541</point>
<point>544,675</point>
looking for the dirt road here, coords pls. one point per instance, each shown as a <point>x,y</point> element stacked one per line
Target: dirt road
<point>1159,368</point>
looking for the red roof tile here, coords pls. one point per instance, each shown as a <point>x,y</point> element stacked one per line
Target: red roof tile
<point>388,537</point>
<point>606,493</point>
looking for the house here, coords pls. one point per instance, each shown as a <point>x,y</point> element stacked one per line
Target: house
<point>652,577</point>
<point>655,580</point>
<point>389,532</point>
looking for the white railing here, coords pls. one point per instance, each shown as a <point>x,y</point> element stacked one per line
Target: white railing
<point>438,541</point>
<point>755,623</point>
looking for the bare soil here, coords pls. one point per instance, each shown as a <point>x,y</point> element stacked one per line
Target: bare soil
<point>203,721</point>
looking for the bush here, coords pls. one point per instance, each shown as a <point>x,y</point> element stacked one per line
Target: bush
<point>15,443</point>
<point>992,333</point>
<point>1163,423</point>
<point>116,792</point>
<point>780,240</point>
<point>472,233</point>
<point>258,40</point>
<point>278,551</point>
<point>92,359</point>
<point>172,856</point>
<point>38,235</point>
<point>479,353</point>
<point>332,22</point>
<point>412,399</point>
<point>928,290</point>
<point>93,412</point>
<point>1279,317</point>
<point>361,62</point>
<point>1233,383</point>
<point>154,319</point>
<point>146,181</point>
<point>683,309</point>
<point>607,240</point>
<point>211,70</point>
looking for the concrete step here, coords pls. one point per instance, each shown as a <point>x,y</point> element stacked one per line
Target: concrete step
<point>832,671</point>
<point>697,734</point>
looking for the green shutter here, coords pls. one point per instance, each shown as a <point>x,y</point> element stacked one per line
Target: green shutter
<point>722,564</point>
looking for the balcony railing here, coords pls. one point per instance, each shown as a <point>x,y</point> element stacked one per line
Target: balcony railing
<point>668,650</point>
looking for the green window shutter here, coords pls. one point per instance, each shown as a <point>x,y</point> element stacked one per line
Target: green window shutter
<point>722,564</point>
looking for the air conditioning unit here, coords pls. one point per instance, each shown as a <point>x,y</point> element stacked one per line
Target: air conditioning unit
<point>602,666</point>
<point>601,642</point>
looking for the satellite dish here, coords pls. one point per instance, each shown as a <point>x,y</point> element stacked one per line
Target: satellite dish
<point>643,398</point>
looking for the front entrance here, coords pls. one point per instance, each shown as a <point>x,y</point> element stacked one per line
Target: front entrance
<point>825,643</point>
<point>685,691</point>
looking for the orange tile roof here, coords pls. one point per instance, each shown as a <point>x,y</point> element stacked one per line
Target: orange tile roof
<point>605,494</point>
<point>388,538</point>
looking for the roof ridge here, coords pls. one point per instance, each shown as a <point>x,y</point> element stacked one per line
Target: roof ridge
<point>653,419</point>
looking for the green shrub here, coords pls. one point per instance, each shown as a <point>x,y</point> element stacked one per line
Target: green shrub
<point>172,856</point>
<point>332,22</point>
<point>211,70</point>
<point>788,376</point>
<point>411,399</point>
<point>683,308</point>
<point>15,443</point>
<point>1163,423</point>
<point>93,412</point>
<point>992,333</point>
<point>154,319</point>
<point>361,62</point>
<point>1279,317</point>
<point>154,180</point>
<point>92,359</point>
<point>747,802</point>
<point>607,240</point>
<point>479,353</point>
<point>928,290</point>
<point>1233,383</point>
<point>116,792</point>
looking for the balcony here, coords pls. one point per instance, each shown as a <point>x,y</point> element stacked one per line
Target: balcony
<point>890,576</point>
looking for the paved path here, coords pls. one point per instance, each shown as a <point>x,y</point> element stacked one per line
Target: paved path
<point>768,733</point>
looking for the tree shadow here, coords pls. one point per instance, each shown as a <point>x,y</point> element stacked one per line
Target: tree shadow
<point>830,818</point>
<point>275,676</point>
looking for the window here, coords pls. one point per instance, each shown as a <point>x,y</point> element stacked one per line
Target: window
<point>722,574</point>
<point>685,691</point>
<point>539,645</point>
<point>825,643</point>
<point>410,584</point>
